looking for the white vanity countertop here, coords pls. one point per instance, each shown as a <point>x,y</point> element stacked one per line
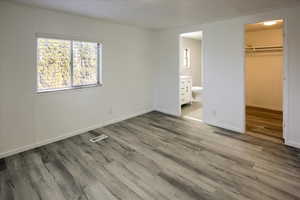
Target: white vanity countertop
<point>185,76</point>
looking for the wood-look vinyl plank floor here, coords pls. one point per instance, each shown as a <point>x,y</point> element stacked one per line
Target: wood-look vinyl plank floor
<point>265,122</point>
<point>154,157</point>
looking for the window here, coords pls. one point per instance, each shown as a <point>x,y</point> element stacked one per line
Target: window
<point>67,64</point>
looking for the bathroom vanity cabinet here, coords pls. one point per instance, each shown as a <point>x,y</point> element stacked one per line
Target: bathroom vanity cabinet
<point>185,90</point>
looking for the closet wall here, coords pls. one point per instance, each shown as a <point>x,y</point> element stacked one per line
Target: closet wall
<point>264,70</point>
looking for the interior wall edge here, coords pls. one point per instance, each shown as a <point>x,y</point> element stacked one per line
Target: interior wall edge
<point>224,126</point>
<point>167,111</point>
<point>292,144</point>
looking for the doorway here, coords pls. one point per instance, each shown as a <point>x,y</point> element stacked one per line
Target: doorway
<point>264,79</point>
<point>191,75</point>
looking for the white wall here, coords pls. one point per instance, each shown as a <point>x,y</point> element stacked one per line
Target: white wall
<point>224,91</point>
<point>137,64</point>
<point>28,119</point>
<point>264,70</point>
<point>195,60</point>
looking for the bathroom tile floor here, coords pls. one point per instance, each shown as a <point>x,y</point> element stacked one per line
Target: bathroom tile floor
<point>193,110</point>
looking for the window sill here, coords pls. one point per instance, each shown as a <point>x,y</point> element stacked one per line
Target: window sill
<point>69,88</point>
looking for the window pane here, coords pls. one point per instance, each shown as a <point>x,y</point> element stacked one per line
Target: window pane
<point>53,64</point>
<point>85,62</point>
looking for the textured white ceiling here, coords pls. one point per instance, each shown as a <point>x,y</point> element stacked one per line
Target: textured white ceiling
<point>162,13</point>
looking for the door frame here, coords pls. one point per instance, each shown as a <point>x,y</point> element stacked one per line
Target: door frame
<point>179,67</point>
<point>285,74</point>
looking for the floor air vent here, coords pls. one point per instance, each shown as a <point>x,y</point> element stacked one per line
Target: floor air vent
<point>99,138</point>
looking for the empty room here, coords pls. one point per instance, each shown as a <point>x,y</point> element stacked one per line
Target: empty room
<point>149,100</point>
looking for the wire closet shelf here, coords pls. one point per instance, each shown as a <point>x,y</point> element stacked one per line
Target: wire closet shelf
<point>264,49</point>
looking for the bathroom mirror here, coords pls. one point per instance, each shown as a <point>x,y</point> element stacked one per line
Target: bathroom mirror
<point>187,58</point>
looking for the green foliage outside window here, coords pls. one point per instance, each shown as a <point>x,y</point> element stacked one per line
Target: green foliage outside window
<point>84,63</point>
<point>54,57</point>
<point>66,64</point>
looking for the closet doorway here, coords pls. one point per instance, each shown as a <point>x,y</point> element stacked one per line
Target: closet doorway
<point>264,79</point>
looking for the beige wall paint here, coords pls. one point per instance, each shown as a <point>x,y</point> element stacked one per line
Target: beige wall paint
<point>195,70</point>
<point>264,71</point>
<point>272,37</point>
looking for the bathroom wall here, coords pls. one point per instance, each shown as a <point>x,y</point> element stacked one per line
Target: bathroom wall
<point>195,51</point>
<point>264,71</point>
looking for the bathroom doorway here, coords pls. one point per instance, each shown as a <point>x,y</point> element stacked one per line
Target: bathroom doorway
<point>191,75</point>
<point>264,79</point>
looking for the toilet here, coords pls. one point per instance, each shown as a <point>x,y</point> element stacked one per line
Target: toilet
<point>197,93</point>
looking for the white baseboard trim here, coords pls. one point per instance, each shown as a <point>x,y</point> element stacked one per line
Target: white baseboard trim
<point>292,144</point>
<point>166,111</point>
<point>74,133</point>
<point>213,123</point>
<point>224,126</point>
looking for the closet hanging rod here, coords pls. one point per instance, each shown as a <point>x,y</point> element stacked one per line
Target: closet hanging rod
<point>262,49</point>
